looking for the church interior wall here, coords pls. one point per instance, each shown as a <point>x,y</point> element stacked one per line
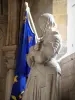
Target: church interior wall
<point>58,9</point>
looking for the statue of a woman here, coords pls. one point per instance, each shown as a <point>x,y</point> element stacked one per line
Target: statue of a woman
<point>43,81</point>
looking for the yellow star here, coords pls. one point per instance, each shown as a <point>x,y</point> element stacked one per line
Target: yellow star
<point>29,38</point>
<point>15,79</point>
<point>24,18</point>
<point>20,96</point>
<point>13,97</point>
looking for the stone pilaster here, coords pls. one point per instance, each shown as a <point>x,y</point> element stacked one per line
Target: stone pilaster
<point>11,41</point>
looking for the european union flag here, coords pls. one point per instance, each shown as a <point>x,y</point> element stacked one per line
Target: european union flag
<point>27,39</point>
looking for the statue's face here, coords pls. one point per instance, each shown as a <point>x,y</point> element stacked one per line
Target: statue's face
<point>44,24</point>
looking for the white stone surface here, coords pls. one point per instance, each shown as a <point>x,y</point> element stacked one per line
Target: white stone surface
<point>71,26</point>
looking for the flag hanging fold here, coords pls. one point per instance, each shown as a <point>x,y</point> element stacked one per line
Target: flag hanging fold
<point>27,39</point>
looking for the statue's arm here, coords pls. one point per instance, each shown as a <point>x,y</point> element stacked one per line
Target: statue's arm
<point>38,46</point>
<point>57,43</point>
<point>54,45</point>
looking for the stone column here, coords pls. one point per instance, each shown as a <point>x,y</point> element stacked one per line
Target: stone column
<point>9,55</point>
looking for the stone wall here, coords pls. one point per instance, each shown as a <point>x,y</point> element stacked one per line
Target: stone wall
<point>58,8</point>
<point>68,78</point>
<point>3,32</point>
<point>9,32</point>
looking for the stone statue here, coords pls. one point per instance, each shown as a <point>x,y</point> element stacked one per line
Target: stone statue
<point>44,79</point>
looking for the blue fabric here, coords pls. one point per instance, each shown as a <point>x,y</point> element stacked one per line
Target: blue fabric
<point>27,39</point>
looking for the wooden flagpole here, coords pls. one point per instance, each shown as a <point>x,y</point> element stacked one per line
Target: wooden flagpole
<point>31,20</point>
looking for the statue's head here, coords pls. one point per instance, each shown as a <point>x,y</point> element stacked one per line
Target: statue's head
<point>46,22</point>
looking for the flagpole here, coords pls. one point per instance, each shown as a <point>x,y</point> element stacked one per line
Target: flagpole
<point>31,20</point>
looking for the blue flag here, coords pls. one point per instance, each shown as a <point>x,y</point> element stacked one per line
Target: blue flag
<point>27,39</point>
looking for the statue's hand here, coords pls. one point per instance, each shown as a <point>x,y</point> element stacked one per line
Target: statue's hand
<point>37,47</point>
<point>30,60</point>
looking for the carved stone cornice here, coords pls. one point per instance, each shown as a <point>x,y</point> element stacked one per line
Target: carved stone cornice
<point>9,56</point>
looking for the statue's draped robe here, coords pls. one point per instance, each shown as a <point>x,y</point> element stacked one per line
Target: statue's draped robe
<point>44,79</point>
